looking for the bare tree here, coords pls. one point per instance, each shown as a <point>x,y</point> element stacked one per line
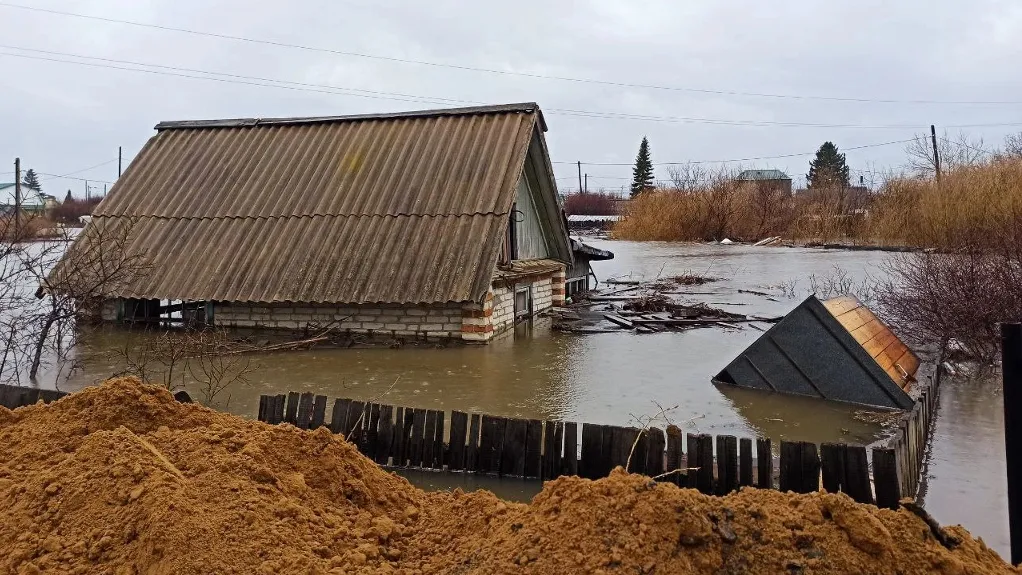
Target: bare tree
<point>687,177</point>
<point>957,152</point>
<point>1012,146</point>
<point>50,287</point>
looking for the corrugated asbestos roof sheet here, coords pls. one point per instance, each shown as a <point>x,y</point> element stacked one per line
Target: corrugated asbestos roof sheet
<point>399,208</point>
<point>811,353</point>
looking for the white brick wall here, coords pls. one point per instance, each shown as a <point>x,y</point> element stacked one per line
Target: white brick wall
<point>435,321</point>
<point>503,308</point>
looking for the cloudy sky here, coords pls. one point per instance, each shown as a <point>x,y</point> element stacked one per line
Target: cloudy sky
<point>705,81</point>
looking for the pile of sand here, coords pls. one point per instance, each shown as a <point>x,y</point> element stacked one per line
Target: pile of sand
<point>122,479</point>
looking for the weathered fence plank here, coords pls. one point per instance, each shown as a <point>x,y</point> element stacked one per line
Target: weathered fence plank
<point>533,447</point>
<point>456,449</point>
<point>764,464</point>
<point>592,441</point>
<point>656,444</point>
<point>885,478</point>
<point>385,436</point>
<point>397,447</point>
<point>318,412</point>
<point>472,449</point>
<point>832,462</point>
<point>744,462</point>
<point>415,440</point>
<point>439,453</point>
<point>372,432</point>
<point>791,466</point>
<point>291,413</point>
<point>512,460</point>
<point>491,444</point>
<point>704,480</point>
<point>810,468</point>
<point>569,460</point>
<point>339,414</point>
<point>856,474</point>
<point>428,439</point>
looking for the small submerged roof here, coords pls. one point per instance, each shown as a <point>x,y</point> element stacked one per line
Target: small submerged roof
<point>754,175</point>
<point>835,350</point>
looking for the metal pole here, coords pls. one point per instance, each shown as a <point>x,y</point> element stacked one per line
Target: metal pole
<point>118,161</point>
<point>17,198</point>
<point>1011,372</point>
<point>586,188</point>
<point>580,176</point>
<point>936,154</point>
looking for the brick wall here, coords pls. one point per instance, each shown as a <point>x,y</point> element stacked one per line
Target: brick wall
<point>503,308</point>
<point>432,321</point>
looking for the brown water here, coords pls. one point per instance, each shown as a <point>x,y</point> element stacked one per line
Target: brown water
<point>613,378</point>
<point>965,478</point>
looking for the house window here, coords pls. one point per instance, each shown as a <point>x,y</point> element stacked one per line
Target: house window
<point>523,302</point>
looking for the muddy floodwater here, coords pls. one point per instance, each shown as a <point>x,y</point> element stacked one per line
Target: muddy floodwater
<point>608,378</point>
<point>965,477</point>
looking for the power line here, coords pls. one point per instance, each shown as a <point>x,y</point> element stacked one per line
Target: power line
<point>736,160</point>
<point>225,77</point>
<point>84,169</point>
<point>718,92</point>
<point>65,177</point>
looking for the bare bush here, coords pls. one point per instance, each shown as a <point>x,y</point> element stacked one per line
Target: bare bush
<point>590,204</point>
<point>954,152</point>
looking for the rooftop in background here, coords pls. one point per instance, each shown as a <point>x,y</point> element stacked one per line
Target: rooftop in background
<point>759,175</point>
<point>29,197</point>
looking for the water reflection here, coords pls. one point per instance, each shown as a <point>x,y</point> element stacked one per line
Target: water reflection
<point>965,480</point>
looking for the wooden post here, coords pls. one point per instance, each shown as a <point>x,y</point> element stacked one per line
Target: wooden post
<point>1011,366</point>
<point>17,198</point>
<point>936,154</point>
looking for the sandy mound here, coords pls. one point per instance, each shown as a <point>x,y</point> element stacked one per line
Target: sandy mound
<point>122,479</point>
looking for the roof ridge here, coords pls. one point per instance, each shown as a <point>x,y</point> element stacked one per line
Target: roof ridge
<point>300,216</point>
<point>522,107</point>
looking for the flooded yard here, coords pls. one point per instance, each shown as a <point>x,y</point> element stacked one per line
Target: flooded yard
<point>609,378</point>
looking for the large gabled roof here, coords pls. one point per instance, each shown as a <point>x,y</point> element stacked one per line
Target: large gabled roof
<point>397,208</point>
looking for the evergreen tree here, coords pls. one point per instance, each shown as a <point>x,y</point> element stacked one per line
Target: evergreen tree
<point>31,181</point>
<point>68,197</point>
<point>642,173</point>
<point>829,169</point>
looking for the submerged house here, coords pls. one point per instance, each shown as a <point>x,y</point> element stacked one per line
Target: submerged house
<point>429,224</point>
<point>835,349</point>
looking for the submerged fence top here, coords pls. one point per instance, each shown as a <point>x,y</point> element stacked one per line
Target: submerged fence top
<point>836,350</point>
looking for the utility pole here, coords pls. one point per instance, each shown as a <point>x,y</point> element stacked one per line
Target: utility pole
<point>587,184</point>
<point>118,161</point>
<point>86,190</point>
<point>1011,372</point>
<point>936,155</point>
<point>17,198</point>
<point>580,176</point>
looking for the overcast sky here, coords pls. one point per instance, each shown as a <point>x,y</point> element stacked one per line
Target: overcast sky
<point>61,118</point>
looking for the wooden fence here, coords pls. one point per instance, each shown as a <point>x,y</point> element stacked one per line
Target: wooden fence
<point>534,449</point>
<point>910,440</point>
<point>13,396</point>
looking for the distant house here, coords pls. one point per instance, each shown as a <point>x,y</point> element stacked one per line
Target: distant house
<point>31,200</point>
<point>431,224</point>
<point>767,179</point>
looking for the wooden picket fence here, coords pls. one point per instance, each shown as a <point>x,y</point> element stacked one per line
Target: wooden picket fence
<point>406,437</point>
<point>14,396</point>
<point>910,441</point>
